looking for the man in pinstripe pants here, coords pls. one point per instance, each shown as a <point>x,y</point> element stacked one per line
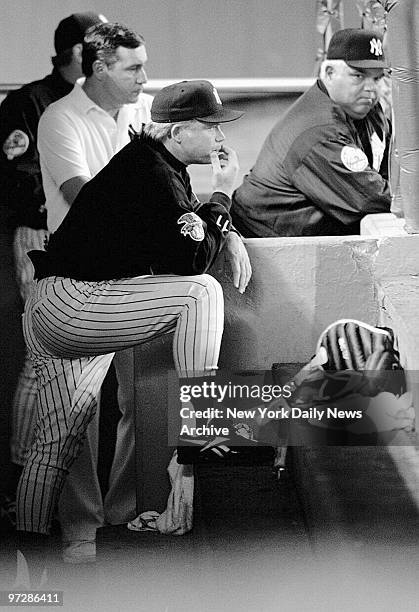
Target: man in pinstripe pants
<point>77,137</point>
<point>128,263</point>
<point>22,196</point>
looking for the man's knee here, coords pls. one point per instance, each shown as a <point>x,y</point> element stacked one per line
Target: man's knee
<point>58,454</point>
<point>205,286</point>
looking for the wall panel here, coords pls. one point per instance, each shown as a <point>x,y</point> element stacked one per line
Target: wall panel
<point>186,38</point>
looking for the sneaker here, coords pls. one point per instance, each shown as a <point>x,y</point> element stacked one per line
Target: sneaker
<point>194,450</point>
<point>79,551</point>
<point>236,449</point>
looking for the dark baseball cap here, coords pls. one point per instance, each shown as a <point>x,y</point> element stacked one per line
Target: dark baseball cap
<point>190,100</point>
<point>72,29</point>
<point>358,48</point>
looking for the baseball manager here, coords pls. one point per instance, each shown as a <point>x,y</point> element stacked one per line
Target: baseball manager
<point>128,263</point>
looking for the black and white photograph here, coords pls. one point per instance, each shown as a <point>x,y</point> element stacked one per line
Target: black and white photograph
<point>209,305</point>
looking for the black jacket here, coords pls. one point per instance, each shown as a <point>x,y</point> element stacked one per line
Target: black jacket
<point>21,195</point>
<point>137,216</point>
<point>317,173</point>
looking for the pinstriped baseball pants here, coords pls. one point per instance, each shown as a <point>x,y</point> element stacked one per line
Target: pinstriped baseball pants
<point>81,509</point>
<point>72,329</point>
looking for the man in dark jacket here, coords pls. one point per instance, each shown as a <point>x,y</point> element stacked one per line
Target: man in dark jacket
<point>22,197</point>
<point>324,164</point>
<point>128,263</point>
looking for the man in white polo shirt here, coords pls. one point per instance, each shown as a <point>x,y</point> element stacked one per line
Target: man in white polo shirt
<point>81,132</point>
<point>77,137</point>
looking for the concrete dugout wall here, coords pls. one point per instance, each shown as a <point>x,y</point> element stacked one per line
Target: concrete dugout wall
<point>299,286</point>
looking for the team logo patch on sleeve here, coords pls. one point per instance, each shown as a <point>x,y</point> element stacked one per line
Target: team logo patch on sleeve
<point>192,226</point>
<point>354,159</point>
<point>16,144</point>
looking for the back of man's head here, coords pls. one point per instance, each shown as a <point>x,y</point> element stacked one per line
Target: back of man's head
<point>102,40</point>
<point>70,31</point>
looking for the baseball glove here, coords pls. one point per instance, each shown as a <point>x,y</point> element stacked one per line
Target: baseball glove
<point>348,344</point>
<point>353,345</point>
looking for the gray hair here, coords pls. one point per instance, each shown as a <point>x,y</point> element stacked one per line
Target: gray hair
<point>158,131</point>
<point>162,131</point>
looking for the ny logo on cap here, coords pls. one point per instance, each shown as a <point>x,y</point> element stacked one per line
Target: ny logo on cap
<point>376,46</point>
<point>216,96</point>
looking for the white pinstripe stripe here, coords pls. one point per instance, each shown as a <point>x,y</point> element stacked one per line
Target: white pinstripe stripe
<point>72,329</point>
<point>73,384</point>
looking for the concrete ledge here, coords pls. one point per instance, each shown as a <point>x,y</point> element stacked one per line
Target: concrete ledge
<point>397,256</point>
<point>299,286</point>
<point>383,224</point>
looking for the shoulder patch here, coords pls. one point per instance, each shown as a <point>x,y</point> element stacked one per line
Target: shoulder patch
<point>16,144</point>
<point>353,158</point>
<point>192,226</point>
